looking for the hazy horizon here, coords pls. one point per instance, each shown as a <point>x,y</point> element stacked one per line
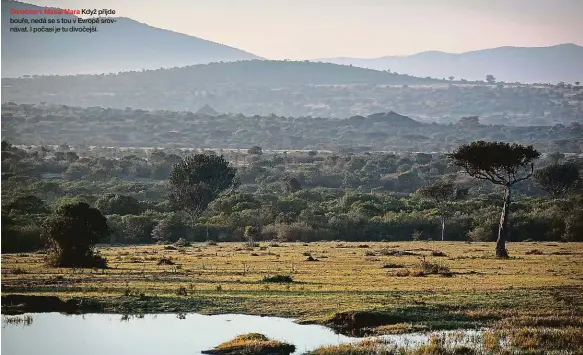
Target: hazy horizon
<point>367,29</point>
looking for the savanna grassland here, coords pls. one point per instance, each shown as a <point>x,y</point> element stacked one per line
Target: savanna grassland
<point>540,285</point>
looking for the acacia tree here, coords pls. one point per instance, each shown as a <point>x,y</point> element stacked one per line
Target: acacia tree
<point>558,179</point>
<point>502,164</point>
<point>198,180</point>
<point>443,194</point>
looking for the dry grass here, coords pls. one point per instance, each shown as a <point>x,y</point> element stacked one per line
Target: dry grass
<point>252,344</point>
<point>226,278</point>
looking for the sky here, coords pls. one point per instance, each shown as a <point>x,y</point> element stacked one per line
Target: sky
<point>309,29</point>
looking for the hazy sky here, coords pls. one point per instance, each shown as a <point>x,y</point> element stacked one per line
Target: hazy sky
<point>303,29</point>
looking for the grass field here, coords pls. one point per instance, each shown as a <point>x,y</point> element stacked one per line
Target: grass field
<point>540,285</point>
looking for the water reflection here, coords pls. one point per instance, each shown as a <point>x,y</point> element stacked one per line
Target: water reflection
<point>98,334</point>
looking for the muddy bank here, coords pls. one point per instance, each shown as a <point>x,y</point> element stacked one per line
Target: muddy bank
<point>404,320</point>
<point>18,304</point>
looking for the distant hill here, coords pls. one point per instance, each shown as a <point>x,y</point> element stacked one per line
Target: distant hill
<point>392,119</point>
<point>511,64</point>
<point>124,45</point>
<point>207,110</point>
<point>244,86</point>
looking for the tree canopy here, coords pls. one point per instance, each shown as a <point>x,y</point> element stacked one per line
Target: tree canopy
<point>198,180</point>
<point>73,231</point>
<point>499,162</point>
<point>558,179</point>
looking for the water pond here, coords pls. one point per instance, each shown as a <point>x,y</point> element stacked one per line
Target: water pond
<point>98,334</point>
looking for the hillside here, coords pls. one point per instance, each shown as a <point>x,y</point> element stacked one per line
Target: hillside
<point>511,64</point>
<point>250,87</point>
<point>288,88</point>
<point>124,45</point>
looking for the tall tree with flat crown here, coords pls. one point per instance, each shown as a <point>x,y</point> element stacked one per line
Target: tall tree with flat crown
<point>502,164</point>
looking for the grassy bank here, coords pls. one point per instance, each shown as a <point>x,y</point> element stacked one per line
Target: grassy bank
<point>363,288</point>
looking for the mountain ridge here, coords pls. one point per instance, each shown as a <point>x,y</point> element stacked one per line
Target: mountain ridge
<point>548,64</point>
<point>125,45</point>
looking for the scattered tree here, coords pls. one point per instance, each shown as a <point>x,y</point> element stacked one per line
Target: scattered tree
<point>72,233</point>
<point>255,150</point>
<point>558,179</point>
<point>171,229</point>
<point>490,79</point>
<point>443,194</point>
<point>118,204</point>
<point>292,185</point>
<point>502,164</point>
<point>198,180</point>
<point>470,121</point>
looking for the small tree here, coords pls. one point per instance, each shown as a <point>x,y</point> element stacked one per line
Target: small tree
<point>72,233</point>
<point>558,179</point>
<point>292,185</point>
<point>443,194</point>
<point>118,204</point>
<point>255,150</point>
<point>198,180</point>
<point>490,79</point>
<point>171,229</point>
<point>471,121</point>
<point>502,164</point>
<point>251,234</point>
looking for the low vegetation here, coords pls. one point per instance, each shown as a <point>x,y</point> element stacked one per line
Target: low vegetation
<point>278,278</point>
<point>344,286</point>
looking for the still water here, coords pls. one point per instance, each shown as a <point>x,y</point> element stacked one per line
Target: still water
<point>99,334</point>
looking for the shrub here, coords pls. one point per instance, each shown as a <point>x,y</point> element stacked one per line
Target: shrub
<point>392,266</point>
<point>165,261</point>
<point>171,229</point>
<point>438,253</point>
<point>278,278</point>
<point>429,268</point>
<point>289,232</point>
<point>252,343</point>
<point>73,232</point>
<point>182,243</point>
<point>17,239</point>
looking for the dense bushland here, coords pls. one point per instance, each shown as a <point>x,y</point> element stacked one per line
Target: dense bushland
<point>298,196</point>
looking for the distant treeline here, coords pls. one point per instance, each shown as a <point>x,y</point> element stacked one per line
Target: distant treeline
<point>44,124</point>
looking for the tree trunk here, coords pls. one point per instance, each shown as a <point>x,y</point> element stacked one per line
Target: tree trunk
<point>501,251</point>
<point>442,228</point>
